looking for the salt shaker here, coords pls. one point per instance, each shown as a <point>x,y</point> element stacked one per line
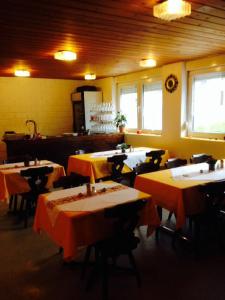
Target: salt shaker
<point>93,190</point>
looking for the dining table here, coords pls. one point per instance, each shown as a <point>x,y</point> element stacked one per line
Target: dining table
<point>95,165</point>
<point>74,218</point>
<point>12,183</point>
<point>177,189</point>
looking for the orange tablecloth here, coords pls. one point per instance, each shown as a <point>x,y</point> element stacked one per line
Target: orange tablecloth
<point>97,167</point>
<point>178,189</point>
<point>73,229</point>
<point>12,183</point>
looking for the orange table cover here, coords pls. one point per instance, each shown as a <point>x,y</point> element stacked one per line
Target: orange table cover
<point>73,229</point>
<point>179,193</point>
<point>97,167</point>
<point>12,183</point>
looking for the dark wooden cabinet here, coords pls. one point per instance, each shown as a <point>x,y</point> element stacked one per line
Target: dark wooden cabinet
<point>58,149</point>
<point>78,117</point>
<point>82,103</point>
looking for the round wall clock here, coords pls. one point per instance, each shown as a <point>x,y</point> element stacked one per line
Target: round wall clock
<point>171,83</point>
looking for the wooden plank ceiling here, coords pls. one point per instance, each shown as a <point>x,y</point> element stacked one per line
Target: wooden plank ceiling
<point>109,36</point>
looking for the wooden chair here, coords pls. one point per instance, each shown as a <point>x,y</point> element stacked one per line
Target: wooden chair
<point>37,179</point>
<point>71,180</point>
<point>155,158</point>
<point>213,217</point>
<point>175,162</point>
<point>199,158</point>
<point>117,164</point>
<point>123,241</point>
<point>13,200</point>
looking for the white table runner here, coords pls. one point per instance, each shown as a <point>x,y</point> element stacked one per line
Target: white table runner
<point>197,172</point>
<point>93,203</point>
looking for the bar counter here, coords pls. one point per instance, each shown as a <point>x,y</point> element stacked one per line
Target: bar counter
<point>58,149</point>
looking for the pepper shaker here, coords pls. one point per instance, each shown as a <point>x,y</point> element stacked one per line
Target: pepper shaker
<point>221,164</point>
<point>88,186</point>
<point>36,161</point>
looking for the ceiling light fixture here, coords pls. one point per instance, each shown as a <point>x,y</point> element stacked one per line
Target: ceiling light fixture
<point>172,9</point>
<point>22,73</point>
<point>149,62</point>
<point>65,55</point>
<point>90,76</point>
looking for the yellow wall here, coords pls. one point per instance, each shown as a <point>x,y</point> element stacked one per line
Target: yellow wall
<point>174,111</point>
<point>47,101</point>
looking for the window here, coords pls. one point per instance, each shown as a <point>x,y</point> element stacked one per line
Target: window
<point>142,105</point>
<point>207,105</point>
<point>128,105</point>
<point>152,107</point>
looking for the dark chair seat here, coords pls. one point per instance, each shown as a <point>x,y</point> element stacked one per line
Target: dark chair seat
<point>72,180</point>
<point>175,162</point>
<point>199,158</point>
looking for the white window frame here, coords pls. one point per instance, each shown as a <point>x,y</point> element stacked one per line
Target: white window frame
<point>140,101</point>
<point>149,131</point>
<point>126,85</point>
<point>206,73</point>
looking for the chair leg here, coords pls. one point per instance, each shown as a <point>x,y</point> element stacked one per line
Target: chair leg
<point>159,209</point>
<point>133,264</point>
<point>105,275</point>
<point>26,212</point>
<point>170,216</point>
<point>86,261</point>
<point>10,203</point>
<point>95,270</point>
<point>13,203</point>
<point>60,250</point>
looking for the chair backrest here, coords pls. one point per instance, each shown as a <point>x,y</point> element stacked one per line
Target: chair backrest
<point>71,180</point>
<point>214,194</point>
<point>18,158</point>
<point>175,162</point>
<point>199,158</point>
<point>155,158</point>
<point>126,217</point>
<point>117,165</point>
<point>37,179</point>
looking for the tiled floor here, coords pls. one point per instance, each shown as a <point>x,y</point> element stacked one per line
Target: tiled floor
<point>31,268</point>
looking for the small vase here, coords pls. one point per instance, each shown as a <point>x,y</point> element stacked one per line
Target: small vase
<point>121,129</point>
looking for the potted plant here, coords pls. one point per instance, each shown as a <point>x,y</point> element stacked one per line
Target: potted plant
<point>120,121</point>
<point>123,147</point>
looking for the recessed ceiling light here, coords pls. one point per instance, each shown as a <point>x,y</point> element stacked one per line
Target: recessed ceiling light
<point>150,62</point>
<point>22,73</point>
<point>65,55</point>
<point>90,76</point>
